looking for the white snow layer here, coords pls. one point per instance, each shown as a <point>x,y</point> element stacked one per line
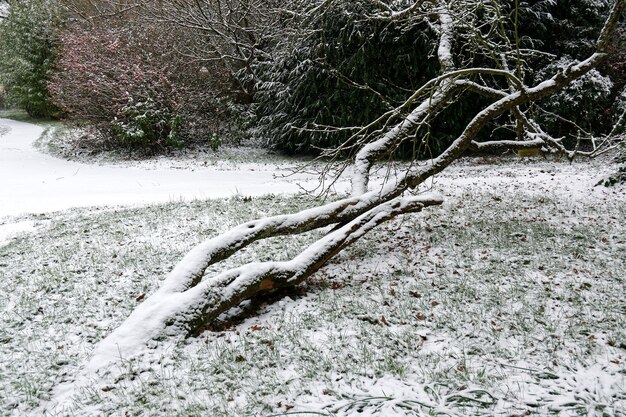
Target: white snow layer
<point>33,182</point>
<point>9,231</point>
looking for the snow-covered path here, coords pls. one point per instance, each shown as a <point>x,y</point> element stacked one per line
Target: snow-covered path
<point>33,182</point>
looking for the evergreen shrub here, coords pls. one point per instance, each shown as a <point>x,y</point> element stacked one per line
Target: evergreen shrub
<point>28,48</point>
<point>318,80</point>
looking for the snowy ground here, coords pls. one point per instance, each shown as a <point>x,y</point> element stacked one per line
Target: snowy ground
<point>506,301</point>
<point>34,182</point>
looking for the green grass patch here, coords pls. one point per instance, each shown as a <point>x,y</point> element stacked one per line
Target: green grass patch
<point>21,116</point>
<point>490,305</point>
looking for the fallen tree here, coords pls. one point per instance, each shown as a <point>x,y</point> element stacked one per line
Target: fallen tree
<point>187,299</point>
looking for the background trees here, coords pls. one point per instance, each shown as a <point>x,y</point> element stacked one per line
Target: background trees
<point>295,78</point>
<point>27,55</point>
<point>341,69</point>
<point>568,30</point>
<point>235,33</point>
<point>334,76</point>
<point>129,83</point>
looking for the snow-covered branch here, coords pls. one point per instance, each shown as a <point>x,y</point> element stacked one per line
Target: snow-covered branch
<point>187,299</point>
<point>371,152</point>
<point>179,311</point>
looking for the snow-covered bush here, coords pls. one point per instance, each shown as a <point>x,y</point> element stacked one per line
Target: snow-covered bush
<point>28,48</point>
<point>131,86</point>
<point>585,103</point>
<point>142,121</point>
<point>564,27</point>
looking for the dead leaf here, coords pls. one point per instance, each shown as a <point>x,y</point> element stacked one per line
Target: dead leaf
<point>336,285</point>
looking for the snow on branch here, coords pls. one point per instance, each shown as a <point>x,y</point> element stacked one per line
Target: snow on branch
<point>389,14</point>
<point>187,299</point>
<point>500,145</point>
<point>169,313</point>
<point>369,153</point>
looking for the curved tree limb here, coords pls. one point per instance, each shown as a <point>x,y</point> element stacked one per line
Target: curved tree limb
<point>187,299</point>
<point>370,153</point>
<point>190,271</point>
<point>176,313</point>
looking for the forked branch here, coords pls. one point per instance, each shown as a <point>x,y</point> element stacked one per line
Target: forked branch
<point>180,312</point>
<point>187,299</point>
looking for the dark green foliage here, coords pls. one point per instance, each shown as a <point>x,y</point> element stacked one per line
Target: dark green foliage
<point>27,53</point>
<point>585,102</point>
<point>619,176</point>
<point>570,29</point>
<point>314,83</point>
<point>146,124</point>
<point>564,27</point>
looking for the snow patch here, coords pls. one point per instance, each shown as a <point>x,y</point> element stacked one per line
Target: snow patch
<point>12,230</point>
<point>33,182</point>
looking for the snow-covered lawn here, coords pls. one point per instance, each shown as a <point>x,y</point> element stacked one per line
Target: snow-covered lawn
<point>34,182</point>
<point>506,301</point>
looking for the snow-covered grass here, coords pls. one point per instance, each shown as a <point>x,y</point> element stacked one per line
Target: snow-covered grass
<point>75,144</point>
<point>11,230</point>
<point>508,300</point>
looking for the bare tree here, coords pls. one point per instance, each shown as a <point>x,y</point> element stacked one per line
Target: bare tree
<point>187,299</point>
<point>233,33</point>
